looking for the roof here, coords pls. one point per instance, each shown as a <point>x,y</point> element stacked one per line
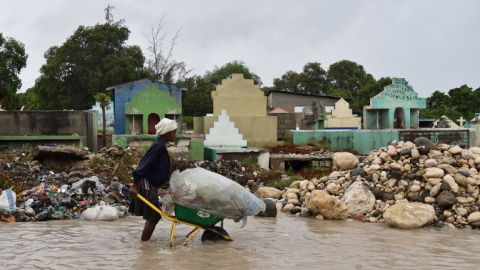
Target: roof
<point>110,88</point>
<point>303,94</point>
<point>278,110</point>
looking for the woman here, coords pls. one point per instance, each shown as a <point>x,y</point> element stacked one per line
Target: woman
<point>152,172</point>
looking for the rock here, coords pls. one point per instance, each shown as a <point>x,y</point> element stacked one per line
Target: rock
<point>333,188</point>
<point>305,213</point>
<point>414,153</point>
<point>358,172</point>
<point>430,200</point>
<point>345,160</point>
<point>59,152</point>
<point>434,173</point>
<point>295,210</point>
<point>455,150</point>
<point>424,143</point>
<point>446,199</point>
<point>474,217</point>
<point>448,169</point>
<point>378,193</point>
<point>269,192</point>
<point>405,215</point>
<point>396,173</point>
<point>358,199</point>
<point>429,163</point>
<point>405,151</point>
<point>288,207</point>
<point>451,182</point>
<point>330,207</point>
<point>460,179</point>
<point>270,209</point>
<point>445,186</point>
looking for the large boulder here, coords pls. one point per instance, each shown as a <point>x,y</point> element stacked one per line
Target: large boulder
<point>345,160</point>
<point>320,202</point>
<point>358,199</point>
<point>270,209</point>
<point>424,145</point>
<point>269,192</point>
<point>405,215</point>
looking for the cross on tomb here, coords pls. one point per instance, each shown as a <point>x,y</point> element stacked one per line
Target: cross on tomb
<point>461,121</point>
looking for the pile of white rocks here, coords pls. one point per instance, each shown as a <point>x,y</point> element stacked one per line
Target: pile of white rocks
<point>406,184</point>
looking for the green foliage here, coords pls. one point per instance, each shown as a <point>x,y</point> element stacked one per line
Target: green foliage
<point>312,80</point>
<point>216,76</point>
<point>453,105</point>
<point>197,100</point>
<point>439,111</point>
<point>458,98</point>
<point>348,75</point>
<point>12,59</point>
<point>249,162</point>
<point>89,61</point>
<point>189,121</point>
<point>284,182</point>
<point>367,92</point>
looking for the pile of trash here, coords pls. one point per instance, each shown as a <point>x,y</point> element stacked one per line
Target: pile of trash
<point>86,199</point>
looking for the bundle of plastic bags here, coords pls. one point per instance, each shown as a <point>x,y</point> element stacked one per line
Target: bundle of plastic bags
<point>102,212</point>
<point>203,190</point>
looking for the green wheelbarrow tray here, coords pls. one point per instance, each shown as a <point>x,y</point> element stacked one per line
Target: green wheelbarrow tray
<point>197,217</point>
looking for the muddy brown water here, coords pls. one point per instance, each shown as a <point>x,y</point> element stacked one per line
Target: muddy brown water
<point>284,242</point>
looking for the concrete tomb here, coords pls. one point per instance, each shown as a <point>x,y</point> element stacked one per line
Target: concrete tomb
<point>342,117</point>
<point>246,106</point>
<point>396,107</point>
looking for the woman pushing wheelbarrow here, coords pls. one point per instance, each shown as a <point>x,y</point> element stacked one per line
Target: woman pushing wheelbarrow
<point>202,198</point>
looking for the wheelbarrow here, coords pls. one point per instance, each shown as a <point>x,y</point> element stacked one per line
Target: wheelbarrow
<point>198,219</point>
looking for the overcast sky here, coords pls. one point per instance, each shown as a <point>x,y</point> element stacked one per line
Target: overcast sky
<point>433,44</point>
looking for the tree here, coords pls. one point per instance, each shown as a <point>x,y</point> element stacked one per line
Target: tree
<point>216,76</point>
<point>437,112</point>
<point>312,80</point>
<point>347,75</point>
<point>458,96</point>
<point>367,92</point>
<point>104,101</point>
<point>161,64</point>
<point>89,61</point>
<point>437,99</point>
<point>12,59</point>
<point>197,101</point>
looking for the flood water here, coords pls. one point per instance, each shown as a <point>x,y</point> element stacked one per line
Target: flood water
<point>284,242</point>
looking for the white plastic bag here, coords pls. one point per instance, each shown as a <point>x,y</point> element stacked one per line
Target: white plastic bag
<point>100,212</point>
<point>90,213</point>
<point>108,213</point>
<point>201,189</point>
<point>8,199</point>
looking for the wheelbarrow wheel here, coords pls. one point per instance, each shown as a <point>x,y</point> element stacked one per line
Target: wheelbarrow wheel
<point>214,236</point>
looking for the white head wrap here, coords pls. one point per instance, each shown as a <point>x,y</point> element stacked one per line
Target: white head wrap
<point>165,125</point>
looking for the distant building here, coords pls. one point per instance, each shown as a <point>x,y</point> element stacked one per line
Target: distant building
<point>138,106</point>
<point>299,110</point>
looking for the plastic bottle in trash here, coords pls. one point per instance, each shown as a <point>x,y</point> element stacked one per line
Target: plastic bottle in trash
<point>42,185</point>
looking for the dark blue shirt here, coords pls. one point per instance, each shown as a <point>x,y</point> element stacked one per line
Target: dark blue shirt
<point>154,166</point>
